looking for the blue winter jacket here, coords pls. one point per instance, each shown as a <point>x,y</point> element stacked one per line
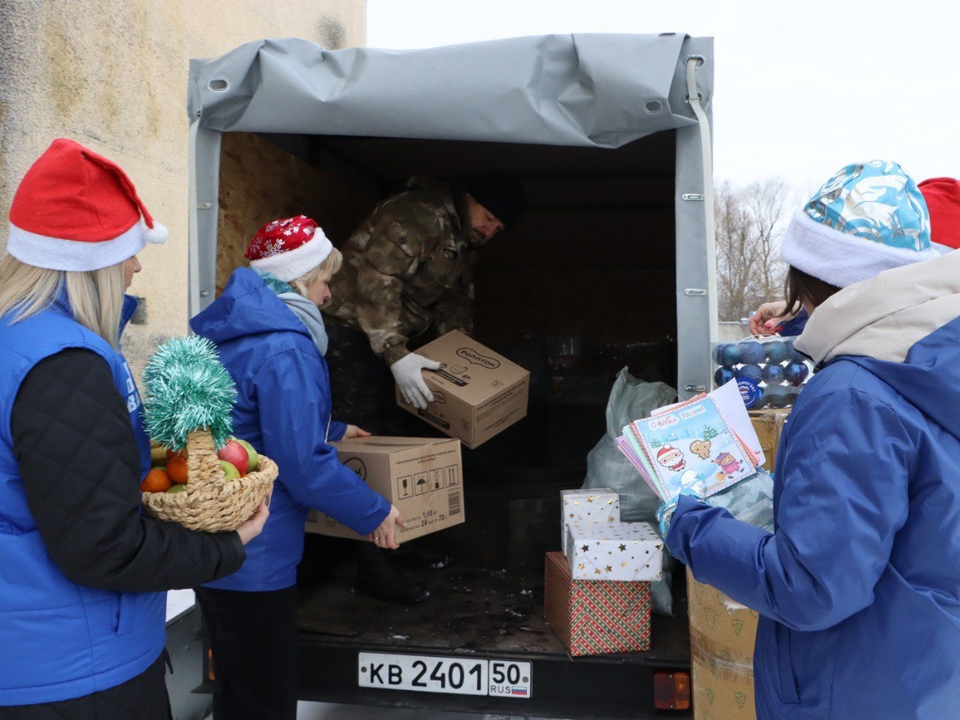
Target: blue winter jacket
<point>283,410</point>
<point>60,640</point>
<point>859,587</point>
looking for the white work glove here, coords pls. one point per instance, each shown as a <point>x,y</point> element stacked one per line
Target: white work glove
<point>408,373</point>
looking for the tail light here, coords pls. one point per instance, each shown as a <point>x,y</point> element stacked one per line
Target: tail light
<point>671,690</point>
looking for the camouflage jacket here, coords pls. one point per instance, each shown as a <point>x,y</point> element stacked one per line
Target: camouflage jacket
<point>407,267</point>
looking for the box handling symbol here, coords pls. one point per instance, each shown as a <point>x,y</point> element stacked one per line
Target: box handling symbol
<point>452,477</point>
<point>420,483</point>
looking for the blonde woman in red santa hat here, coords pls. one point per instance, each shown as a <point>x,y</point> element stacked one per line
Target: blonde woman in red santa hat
<point>83,572</point>
<point>270,334</point>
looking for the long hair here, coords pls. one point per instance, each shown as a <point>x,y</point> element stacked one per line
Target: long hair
<point>327,269</point>
<point>801,289</point>
<point>95,296</point>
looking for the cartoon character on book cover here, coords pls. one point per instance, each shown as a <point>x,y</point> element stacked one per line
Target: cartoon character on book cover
<point>694,437</point>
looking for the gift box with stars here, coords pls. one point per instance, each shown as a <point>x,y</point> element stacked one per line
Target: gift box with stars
<point>593,505</point>
<point>628,552</point>
<point>595,618</point>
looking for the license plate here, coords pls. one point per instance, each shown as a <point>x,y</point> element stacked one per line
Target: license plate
<point>460,676</point>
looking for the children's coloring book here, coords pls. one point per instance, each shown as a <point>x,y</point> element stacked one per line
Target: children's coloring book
<point>691,439</point>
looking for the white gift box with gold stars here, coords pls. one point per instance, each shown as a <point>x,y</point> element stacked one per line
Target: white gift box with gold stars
<point>628,551</point>
<point>595,505</point>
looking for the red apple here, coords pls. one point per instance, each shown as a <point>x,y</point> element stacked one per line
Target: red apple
<point>235,454</point>
<point>253,457</point>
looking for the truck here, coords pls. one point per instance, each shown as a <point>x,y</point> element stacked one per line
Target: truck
<point>612,266</point>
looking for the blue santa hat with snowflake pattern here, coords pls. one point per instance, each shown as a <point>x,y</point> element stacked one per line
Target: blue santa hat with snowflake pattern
<point>867,218</point>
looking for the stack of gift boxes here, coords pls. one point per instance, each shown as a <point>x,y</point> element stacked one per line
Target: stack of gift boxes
<point>597,591</point>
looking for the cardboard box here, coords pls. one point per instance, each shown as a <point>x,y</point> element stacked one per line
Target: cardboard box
<point>768,425</point>
<point>477,393</point>
<point>594,505</point>
<point>423,477</point>
<point>629,552</point>
<point>722,636</point>
<point>595,618</point>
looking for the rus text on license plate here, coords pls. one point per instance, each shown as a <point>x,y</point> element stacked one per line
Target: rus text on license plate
<point>463,676</point>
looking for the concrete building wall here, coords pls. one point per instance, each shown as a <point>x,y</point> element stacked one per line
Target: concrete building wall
<point>113,76</point>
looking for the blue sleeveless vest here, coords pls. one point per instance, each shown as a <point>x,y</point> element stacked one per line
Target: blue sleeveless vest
<point>59,640</point>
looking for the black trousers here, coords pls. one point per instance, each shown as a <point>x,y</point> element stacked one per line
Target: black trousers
<point>253,636</point>
<point>361,383</point>
<point>143,697</point>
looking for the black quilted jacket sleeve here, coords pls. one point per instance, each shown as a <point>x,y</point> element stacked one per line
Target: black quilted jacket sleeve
<point>81,472</point>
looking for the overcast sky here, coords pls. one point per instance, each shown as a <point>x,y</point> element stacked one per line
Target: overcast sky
<point>801,88</point>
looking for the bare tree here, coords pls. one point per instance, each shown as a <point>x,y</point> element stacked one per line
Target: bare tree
<point>750,222</point>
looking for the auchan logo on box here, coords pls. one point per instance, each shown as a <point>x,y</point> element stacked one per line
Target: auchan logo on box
<point>477,359</point>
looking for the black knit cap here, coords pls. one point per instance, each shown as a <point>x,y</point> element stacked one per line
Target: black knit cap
<point>500,194</point>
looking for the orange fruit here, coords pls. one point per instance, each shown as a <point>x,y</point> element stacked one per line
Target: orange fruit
<point>157,480</point>
<point>177,468</point>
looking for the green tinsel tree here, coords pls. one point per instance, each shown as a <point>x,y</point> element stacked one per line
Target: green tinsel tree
<point>187,389</point>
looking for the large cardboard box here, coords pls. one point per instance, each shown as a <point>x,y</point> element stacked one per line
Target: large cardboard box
<point>768,425</point>
<point>722,636</point>
<point>595,618</point>
<point>477,393</point>
<point>423,477</point>
<point>722,631</point>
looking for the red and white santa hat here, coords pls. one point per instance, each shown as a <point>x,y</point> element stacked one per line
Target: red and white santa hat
<point>289,248</point>
<point>77,210</point>
<point>943,201</point>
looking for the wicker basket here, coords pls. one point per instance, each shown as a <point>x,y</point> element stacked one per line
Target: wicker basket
<point>208,502</point>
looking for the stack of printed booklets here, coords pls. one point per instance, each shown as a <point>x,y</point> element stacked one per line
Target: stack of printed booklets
<point>708,438</point>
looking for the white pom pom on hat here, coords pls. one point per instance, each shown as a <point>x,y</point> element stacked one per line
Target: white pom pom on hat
<point>77,210</point>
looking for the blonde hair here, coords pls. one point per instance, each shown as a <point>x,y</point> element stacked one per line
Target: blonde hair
<point>327,269</point>
<point>95,296</point>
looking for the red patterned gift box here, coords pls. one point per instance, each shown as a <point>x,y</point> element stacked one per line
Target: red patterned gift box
<point>595,617</point>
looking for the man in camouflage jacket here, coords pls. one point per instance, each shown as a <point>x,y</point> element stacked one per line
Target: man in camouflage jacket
<point>408,268</point>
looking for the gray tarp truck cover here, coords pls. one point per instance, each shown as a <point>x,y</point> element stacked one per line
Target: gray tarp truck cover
<point>592,90</point>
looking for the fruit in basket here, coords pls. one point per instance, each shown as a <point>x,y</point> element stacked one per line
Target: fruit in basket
<point>235,454</point>
<point>158,456</point>
<point>178,487</point>
<point>177,468</point>
<point>253,459</point>
<point>157,480</point>
<point>230,471</point>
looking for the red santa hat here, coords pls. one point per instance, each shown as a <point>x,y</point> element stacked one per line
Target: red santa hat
<point>289,248</point>
<point>665,451</point>
<point>77,210</point>
<point>943,202</point>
